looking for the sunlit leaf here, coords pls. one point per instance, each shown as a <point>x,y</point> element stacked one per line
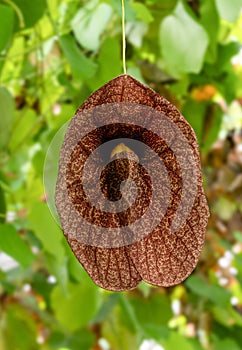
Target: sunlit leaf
<point>183,42</point>
<point>23,127</point>
<point>142,12</point>
<point>229,10</point>
<point>89,23</point>
<point>177,341</point>
<point>12,67</point>
<point>135,32</point>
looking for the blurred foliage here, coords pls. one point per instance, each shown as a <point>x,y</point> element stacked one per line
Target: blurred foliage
<point>53,54</point>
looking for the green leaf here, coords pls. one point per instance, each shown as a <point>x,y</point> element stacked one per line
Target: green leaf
<point>135,32</point>
<point>129,11</point>
<point>109,63</point>
<point>19,329</point>
<point>225,208</point>
<point>78,307</point>
<point>12,244</point>
<point>238,236</point>
<point>148,311</point>
<point>46,229</point>
<point>2,206</point>
<point>142,12</point>
<point>226,344</point>
<point>106,308</point>
<point>177,341</point>
<point>129,312</point>
<point>229,10</point>
<point>122,329</point>
<point>156,332</point>
<point>7,115</point>
<point>32,10</point>
<point>13,63</point>
<point>41,286</point>
<point>6,26</point>
<point>81,66</point>
<point>83,340</point>
<point>227,317</point>
<point>213,293</point>
<point>75,269</point>
<point>225,53</point>
<point>59,270</point>
<point>24,124</point>
<point>90,22</point>
<point>53,8</point>
<point>53,92</point>
<point>205,118</point>
<point>194,113</point>
<point>6,285</point>
<point>211,126</point>
<point>183,42</point>
<point>51,169</point>
<point>210,22</point>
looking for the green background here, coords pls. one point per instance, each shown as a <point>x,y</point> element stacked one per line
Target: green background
<point>53,54</point>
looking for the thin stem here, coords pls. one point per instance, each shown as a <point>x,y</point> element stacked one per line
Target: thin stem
<point>123,35</point>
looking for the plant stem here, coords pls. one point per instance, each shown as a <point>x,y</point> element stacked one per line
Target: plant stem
<point>18,12</point>
<point>123,35</point>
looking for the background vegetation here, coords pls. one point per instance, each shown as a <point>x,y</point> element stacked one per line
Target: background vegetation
<point>53,54</point>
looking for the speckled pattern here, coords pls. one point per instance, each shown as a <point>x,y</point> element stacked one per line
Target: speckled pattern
<point>162,258</point>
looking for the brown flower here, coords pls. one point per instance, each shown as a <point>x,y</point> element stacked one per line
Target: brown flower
<point>129,192</point>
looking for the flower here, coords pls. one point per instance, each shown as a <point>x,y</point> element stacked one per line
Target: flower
<point>129,192</point>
